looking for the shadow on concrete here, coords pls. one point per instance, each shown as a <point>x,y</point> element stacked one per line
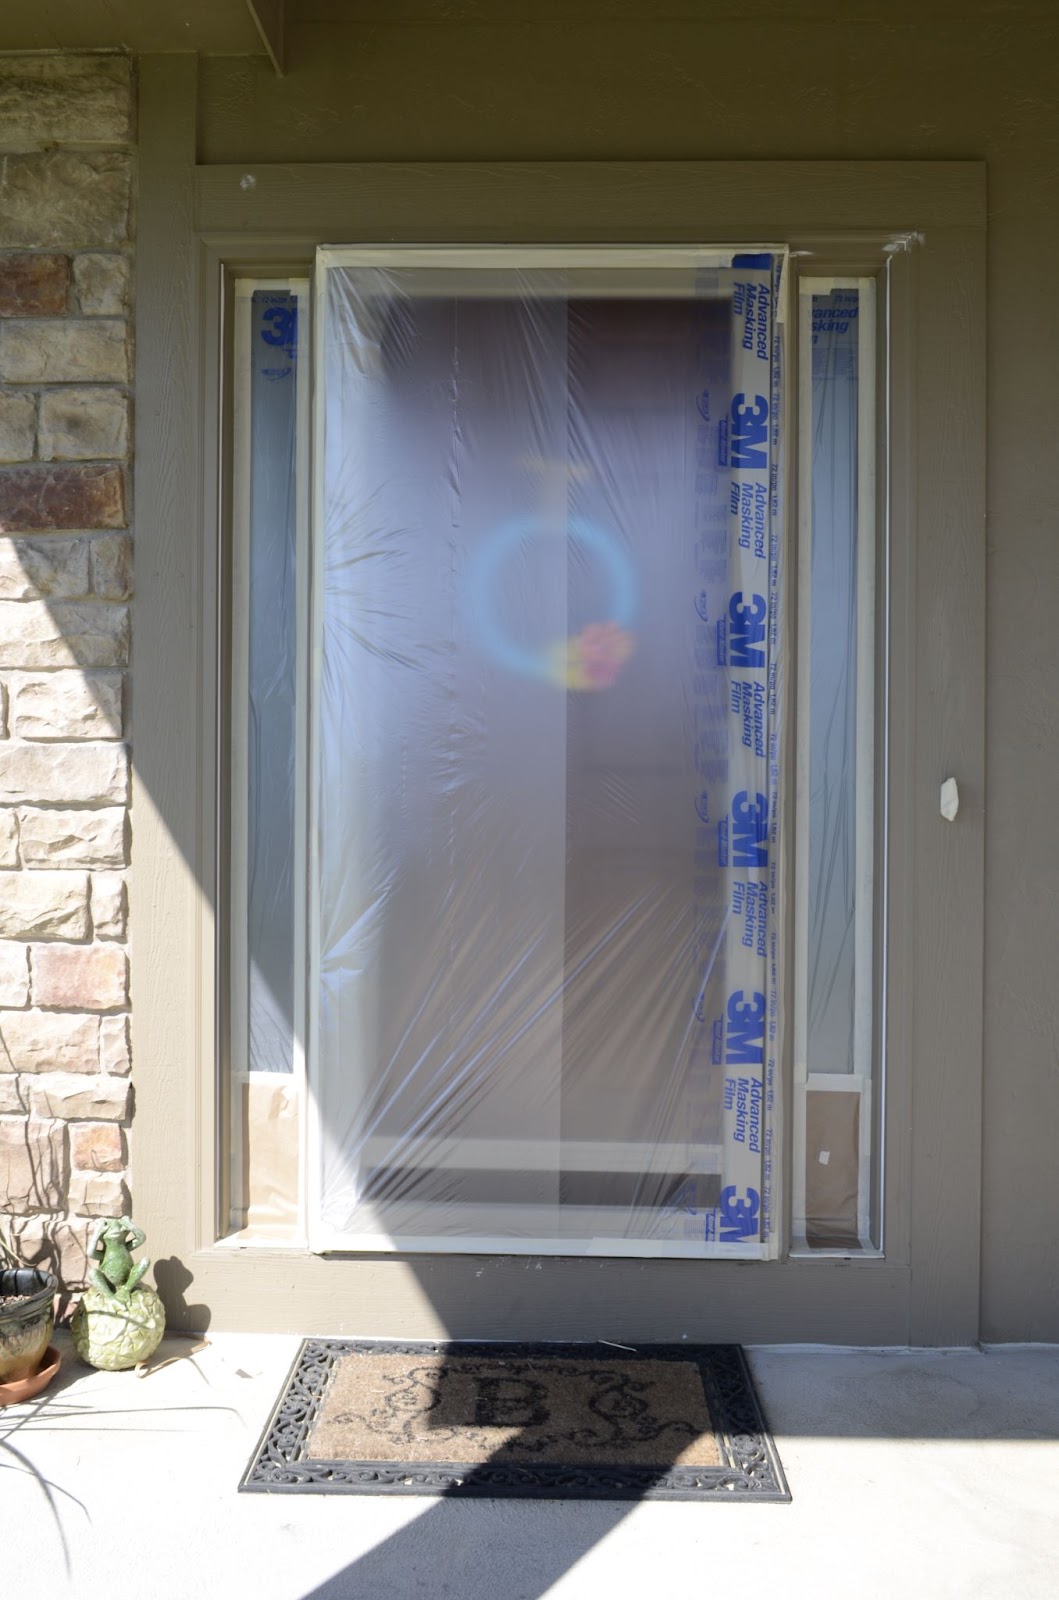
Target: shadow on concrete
<point>461,1548</point>
<point>467,1543</point>
<point>513,1545</point>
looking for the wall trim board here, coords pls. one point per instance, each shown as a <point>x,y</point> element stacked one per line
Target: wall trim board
<point>271,23</point>
<point>170,895</point>
<point>947,987</point>
<point>829,1301</point>
<point>660,201</point>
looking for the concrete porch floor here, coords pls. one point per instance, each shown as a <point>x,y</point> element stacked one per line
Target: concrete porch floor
<point>923,1473</point>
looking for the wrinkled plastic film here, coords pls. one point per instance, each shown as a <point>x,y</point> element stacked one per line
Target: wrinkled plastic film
<point>545,713</point>
<point>838,803</point>
<point>268,488</point>
<point>833,710</point>
<point>271,677</point>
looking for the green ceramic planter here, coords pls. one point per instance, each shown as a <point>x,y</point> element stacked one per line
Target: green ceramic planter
<point>26,1326</point>
<point>115,1334</point>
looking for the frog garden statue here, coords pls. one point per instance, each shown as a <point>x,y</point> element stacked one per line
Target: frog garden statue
<point>120,1320</point>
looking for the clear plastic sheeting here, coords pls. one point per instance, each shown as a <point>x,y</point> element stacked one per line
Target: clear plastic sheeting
<point>832,818</point>
<point>546,695</point>
<point>267,641</point>
<point>833,1037</point>
<point>271,671</point>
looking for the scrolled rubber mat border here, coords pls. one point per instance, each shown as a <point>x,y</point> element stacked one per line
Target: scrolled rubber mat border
<point>751,1469</point>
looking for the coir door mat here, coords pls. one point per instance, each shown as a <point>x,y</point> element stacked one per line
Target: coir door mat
<point>542,1421</point>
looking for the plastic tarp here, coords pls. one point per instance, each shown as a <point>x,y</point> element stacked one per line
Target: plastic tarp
<point>269,413</point>
<point>547,687</point>
<point>834,1061</point>
<point>832,808</point>
<point>271,573</point>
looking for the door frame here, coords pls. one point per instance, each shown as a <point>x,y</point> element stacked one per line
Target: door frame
<point>928,218</point>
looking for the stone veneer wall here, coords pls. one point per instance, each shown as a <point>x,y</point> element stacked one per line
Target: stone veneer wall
<point>66,228</point>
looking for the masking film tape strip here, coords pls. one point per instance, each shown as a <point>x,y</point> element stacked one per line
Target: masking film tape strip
<point>747,644</point>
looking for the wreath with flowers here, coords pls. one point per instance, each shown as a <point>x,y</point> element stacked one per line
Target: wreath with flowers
<point>590,659</point>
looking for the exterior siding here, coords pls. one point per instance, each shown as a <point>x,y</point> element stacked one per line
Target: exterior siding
<point>394,83</point>
<point>942,80</point>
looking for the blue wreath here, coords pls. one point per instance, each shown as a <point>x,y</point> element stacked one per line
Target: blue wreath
<point>488,562</point>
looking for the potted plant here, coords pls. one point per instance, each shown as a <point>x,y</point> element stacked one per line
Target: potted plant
<point>27,1320</point>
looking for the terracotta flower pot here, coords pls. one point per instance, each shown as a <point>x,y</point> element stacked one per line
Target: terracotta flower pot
<point>27,1319</point>
<point>20,1389</point>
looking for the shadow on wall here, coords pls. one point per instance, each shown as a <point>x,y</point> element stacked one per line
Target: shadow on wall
<point>173,1280</point>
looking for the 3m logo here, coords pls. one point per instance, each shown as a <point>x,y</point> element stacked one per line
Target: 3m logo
<point>745,1033</point>
<point>739,1216</point>
<point>749,435</point>
<point>282,326</point>
<point>750,827</point>
<point>746,630</point>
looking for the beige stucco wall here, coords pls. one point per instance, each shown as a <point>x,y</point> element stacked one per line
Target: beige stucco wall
<point>402,84</point>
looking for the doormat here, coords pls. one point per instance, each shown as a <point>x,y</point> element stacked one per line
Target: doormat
<point>535,1421</point>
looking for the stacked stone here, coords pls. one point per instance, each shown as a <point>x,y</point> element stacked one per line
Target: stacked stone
<point>65,336</point>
